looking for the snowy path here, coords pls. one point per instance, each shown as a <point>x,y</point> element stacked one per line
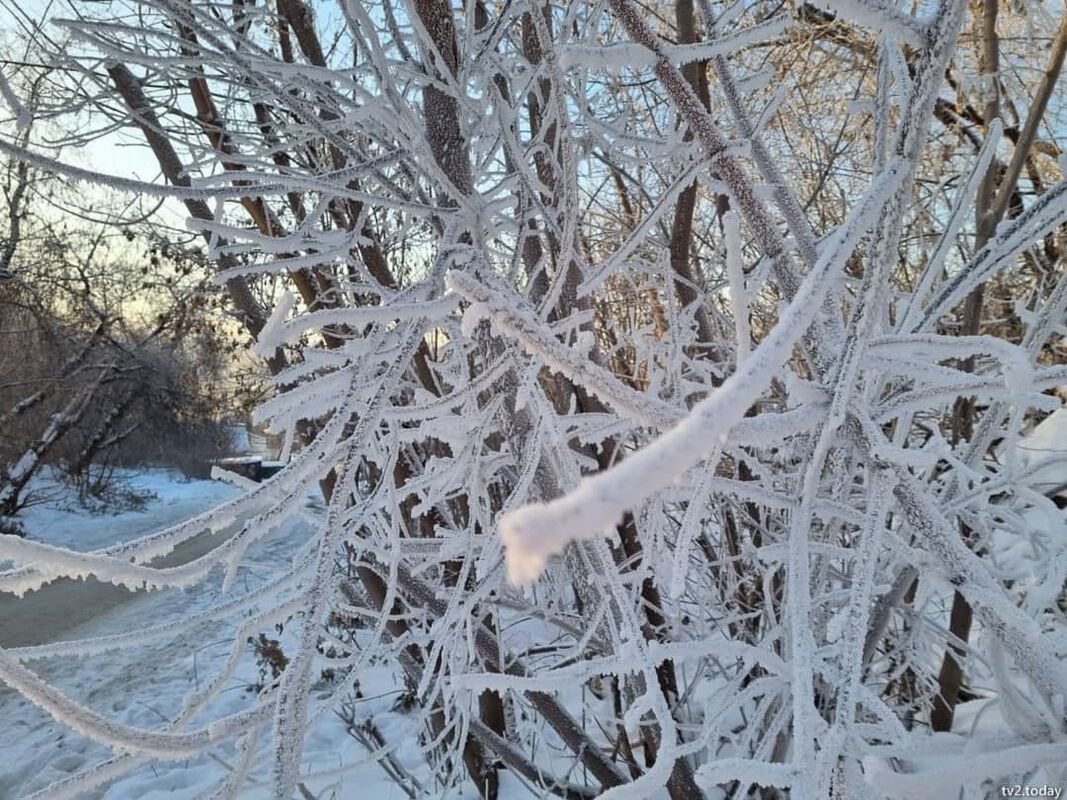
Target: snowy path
<point>63,606</point>
<point>56,610</point>
<point>144,685</point>
<point>34,750</point>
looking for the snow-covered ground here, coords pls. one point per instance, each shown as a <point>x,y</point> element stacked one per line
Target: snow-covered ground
<point>144,686</point>
<point>60,521</point>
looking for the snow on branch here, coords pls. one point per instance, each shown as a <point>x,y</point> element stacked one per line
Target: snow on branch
<point>107,731</point>
<point>630,55</point>
<point>881,16</point>
<point>512,316</point>
<point>534,533</point>
<point>1018,233</point>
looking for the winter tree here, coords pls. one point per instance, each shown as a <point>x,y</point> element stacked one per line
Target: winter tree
<point>664,369</point>
<point>96,323</point>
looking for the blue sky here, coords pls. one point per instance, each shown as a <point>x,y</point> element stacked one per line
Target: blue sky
<point>120,154</point>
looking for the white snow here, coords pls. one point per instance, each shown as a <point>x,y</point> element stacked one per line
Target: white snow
<point>58,520</point>
<point>144,686</point>
<point>1043,453</point>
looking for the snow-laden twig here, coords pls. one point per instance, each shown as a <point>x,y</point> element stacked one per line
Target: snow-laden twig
<point>511,316</point>
<point>115,734</point>
<point>634,56</point>
<point>882,16</point>
<point>738,291</point>
<point>534,533</point>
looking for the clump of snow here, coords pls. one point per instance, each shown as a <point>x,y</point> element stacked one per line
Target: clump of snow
<point>1043,454</point>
